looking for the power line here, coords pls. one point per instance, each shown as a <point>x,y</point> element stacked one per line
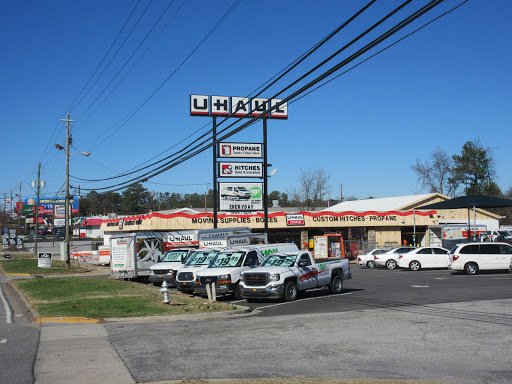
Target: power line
<point>84,122</point>
<point>280,75</point>
<point>115,54</point>
<point>128,60</point>
<point>172,74</point>
<point>104,57</point>
<point>363,50</point>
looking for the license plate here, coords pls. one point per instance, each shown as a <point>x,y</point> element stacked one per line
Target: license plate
<point>254,289</point>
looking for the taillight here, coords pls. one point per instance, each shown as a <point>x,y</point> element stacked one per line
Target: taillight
<point>400,256</point>
<point>455,257</point>
<point>358,259</point>
<point>375,258</point>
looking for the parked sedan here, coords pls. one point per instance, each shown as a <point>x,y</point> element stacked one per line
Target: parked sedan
<point>368,259</point>
<point>389,259</point>
<point>425,257</point>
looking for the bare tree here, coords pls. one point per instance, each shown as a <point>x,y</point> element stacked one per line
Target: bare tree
<point>313,184</point>
<point>435,174</point>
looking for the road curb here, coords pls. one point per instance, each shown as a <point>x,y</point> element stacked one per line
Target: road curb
<point>27,303</point>
<point>242,312</point>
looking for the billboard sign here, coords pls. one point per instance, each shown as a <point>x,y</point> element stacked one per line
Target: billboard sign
<point>238,169</point>
<point>241,150</point>
<point>47,203</point>
<point>241,196</point>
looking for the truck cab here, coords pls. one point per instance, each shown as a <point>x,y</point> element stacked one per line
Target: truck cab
<point>199,259</point>
<point>161,271</point>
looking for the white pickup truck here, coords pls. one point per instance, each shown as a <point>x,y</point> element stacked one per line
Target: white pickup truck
<point>286,275</point>
<point>225,269</point>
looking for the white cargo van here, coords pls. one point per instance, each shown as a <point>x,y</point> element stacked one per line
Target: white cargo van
<point>225,269</point>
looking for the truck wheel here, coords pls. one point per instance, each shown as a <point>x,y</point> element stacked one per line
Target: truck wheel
<point>290,291</point>
<point>336,284</point>
<point>236,294</point>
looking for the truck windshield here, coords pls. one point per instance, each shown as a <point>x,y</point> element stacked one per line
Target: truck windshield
<point>201,257</point>
<point>279,261</point>
<point>228,259</point>
<point>176,255</point>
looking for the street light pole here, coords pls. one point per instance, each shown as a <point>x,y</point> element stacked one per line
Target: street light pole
<point>66,224</point>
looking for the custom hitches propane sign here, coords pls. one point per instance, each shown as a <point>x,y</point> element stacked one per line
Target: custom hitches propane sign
<point>204,105</point>
<point>240,150</point>
<point>239,169</point>
<point>241,196</point>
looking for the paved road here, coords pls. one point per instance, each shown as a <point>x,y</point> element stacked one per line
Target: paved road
<point>19,338</point>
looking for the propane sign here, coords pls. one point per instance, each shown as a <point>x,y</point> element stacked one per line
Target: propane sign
<point>240,150</point>
<point>236,169</point>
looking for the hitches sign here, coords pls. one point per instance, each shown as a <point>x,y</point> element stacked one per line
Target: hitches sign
<point>240,150</point>
<point>238,169</point>
<point>200,105</point>
<point>241,196</point>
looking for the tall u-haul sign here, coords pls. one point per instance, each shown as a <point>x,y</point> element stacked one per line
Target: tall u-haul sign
<point>204,105</point>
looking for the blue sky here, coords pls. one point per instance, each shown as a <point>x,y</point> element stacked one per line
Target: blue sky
<point>443,86</point>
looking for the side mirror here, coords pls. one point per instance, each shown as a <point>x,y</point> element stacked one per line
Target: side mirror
<point>302,264</point>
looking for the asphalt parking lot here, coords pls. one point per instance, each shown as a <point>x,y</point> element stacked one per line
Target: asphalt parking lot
<point>387,324</point>
<point>383,288</point>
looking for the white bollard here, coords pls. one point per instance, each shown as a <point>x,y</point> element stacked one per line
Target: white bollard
<point>209,293</point>
<point>214,293</point>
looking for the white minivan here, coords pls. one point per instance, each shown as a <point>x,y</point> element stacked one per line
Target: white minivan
<point>473,257</point>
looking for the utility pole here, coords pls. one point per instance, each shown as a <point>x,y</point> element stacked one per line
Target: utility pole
<point>68,128</point>
<point>37,206</point>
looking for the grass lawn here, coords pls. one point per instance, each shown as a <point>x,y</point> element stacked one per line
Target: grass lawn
<point>101,297</point>
<point>20,264</point>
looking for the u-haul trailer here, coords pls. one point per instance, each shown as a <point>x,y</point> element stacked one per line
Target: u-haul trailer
<point>132,254</point>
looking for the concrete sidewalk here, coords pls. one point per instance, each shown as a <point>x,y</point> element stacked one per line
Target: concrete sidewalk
<point>78,353</point>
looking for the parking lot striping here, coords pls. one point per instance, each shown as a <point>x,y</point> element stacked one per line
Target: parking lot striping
<point>6,306</point>
<point>3,341</point>
<point>311,298</point>
<point>440,278</point>
<point>420,286</point>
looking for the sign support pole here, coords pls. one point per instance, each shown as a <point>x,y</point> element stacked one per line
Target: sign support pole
<point>215,192</point>
<point>265,177</point>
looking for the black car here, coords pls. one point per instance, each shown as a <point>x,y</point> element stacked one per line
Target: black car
<point>60,234</point>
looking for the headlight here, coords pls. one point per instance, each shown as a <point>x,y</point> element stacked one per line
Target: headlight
<point>224,279</point>
<point>275,277</point>
<point>151,272</point>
